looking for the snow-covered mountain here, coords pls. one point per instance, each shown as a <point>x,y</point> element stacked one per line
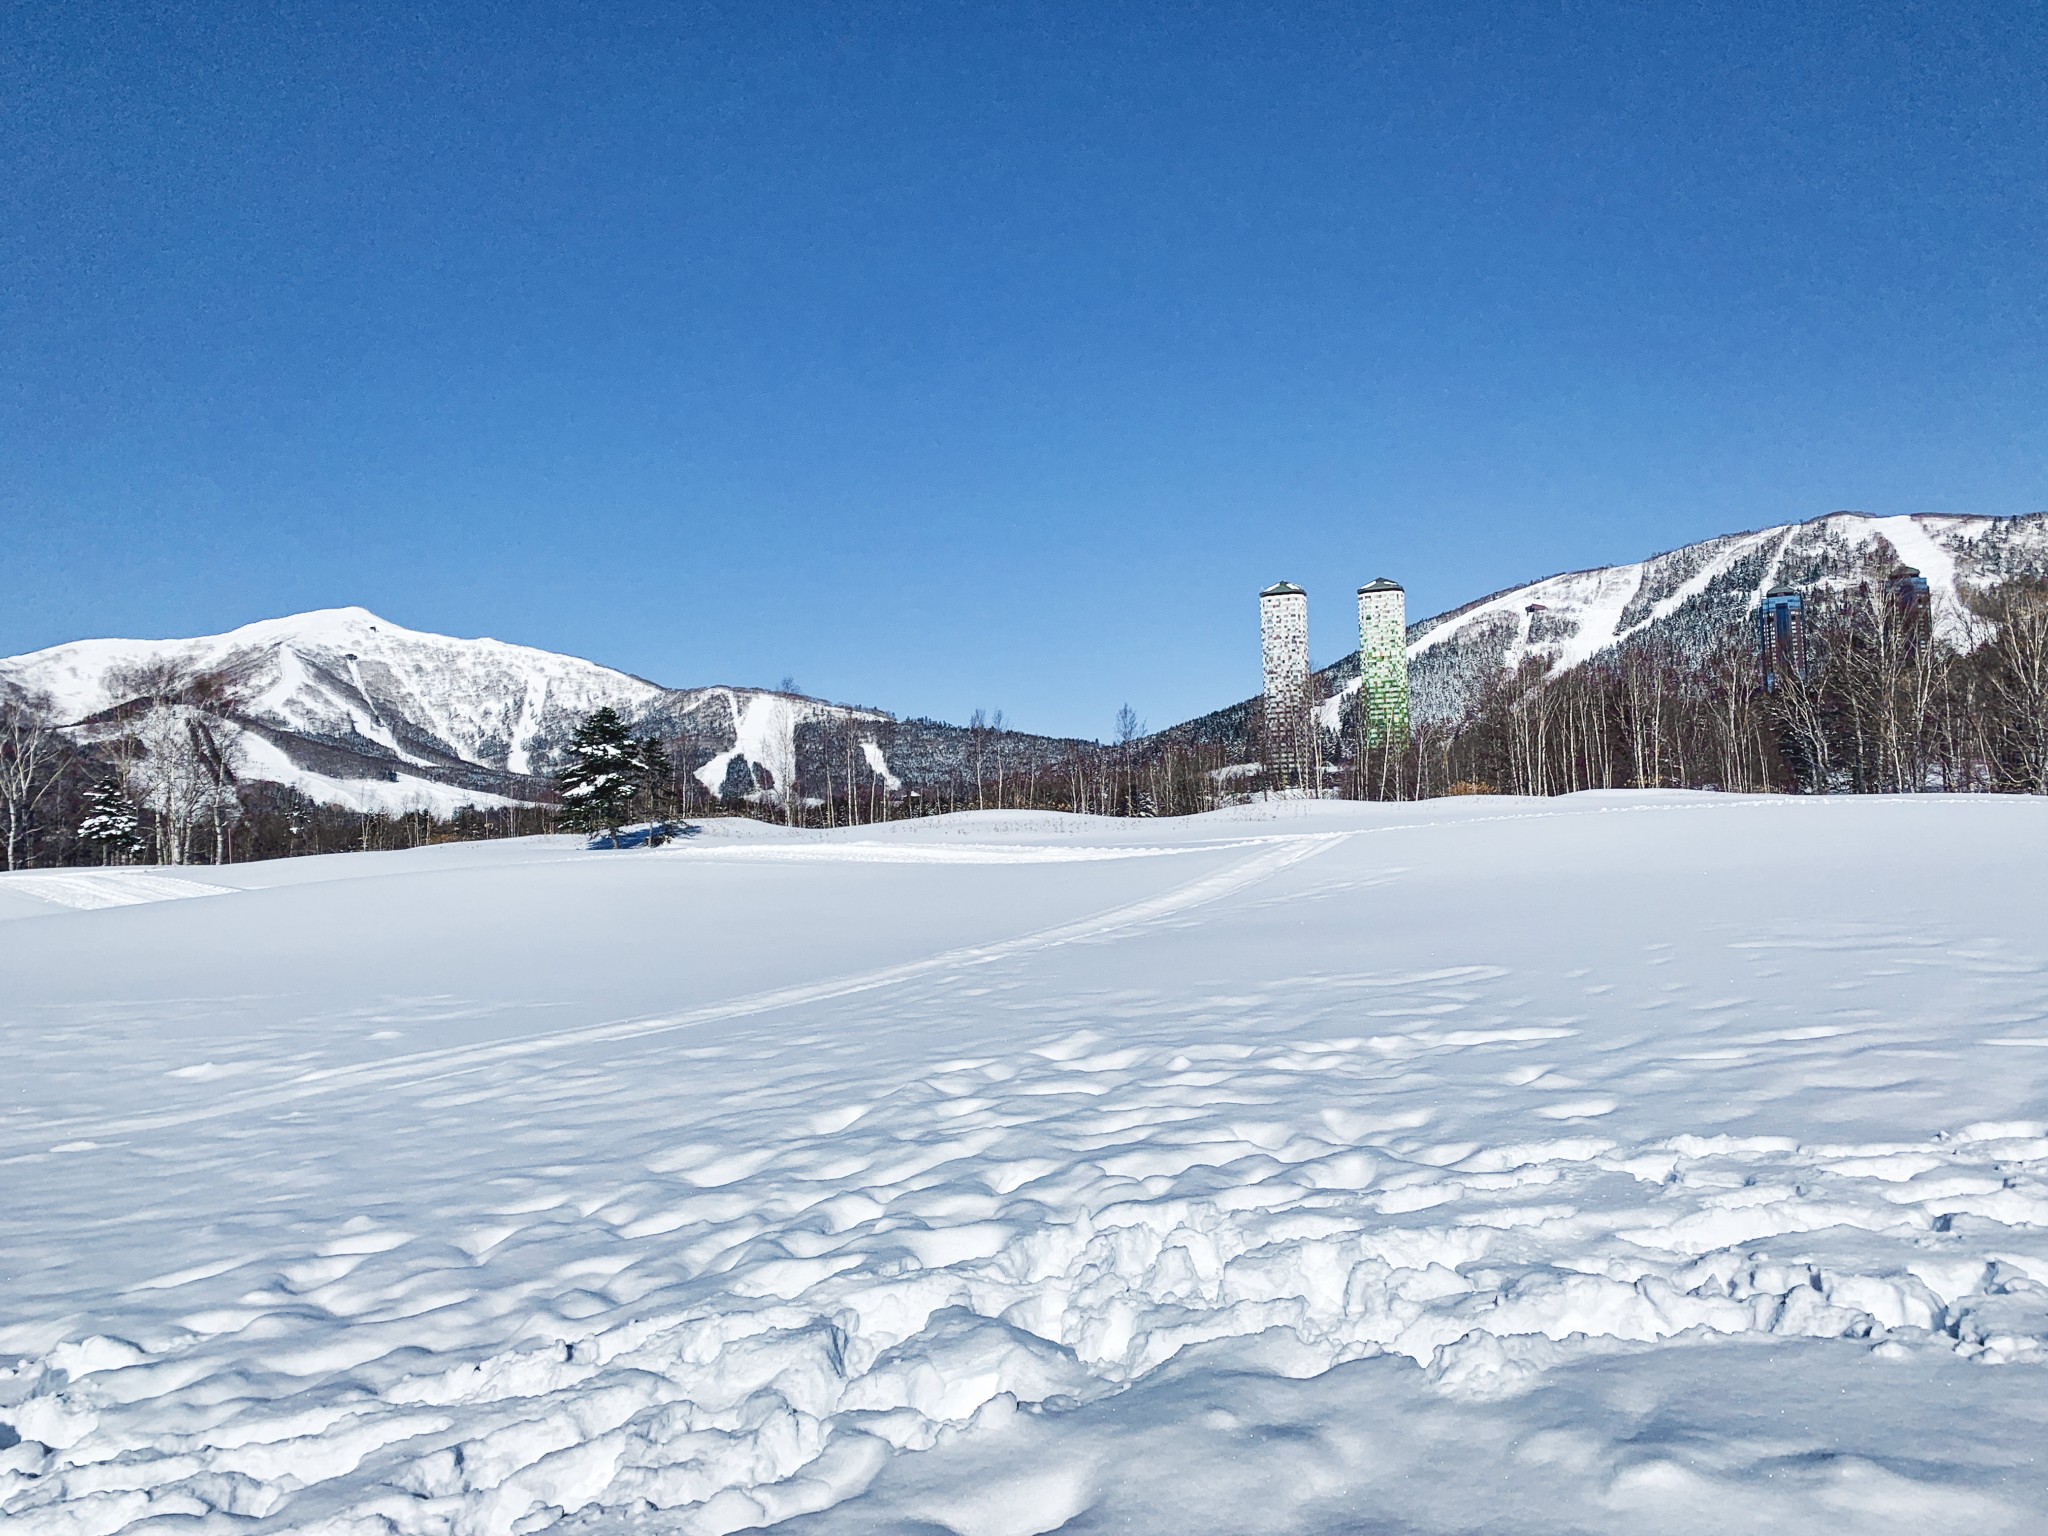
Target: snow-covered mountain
<point>350,707</point>
<point>1694,593</point>
<point>1690,596</point>
<point>358,711</point>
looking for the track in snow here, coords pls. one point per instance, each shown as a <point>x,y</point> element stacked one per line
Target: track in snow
<point>88,890</point>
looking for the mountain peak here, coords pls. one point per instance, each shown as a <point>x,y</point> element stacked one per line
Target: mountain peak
<point>316,624</point>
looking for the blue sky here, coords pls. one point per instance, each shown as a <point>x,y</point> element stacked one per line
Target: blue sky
<point>953,355</point>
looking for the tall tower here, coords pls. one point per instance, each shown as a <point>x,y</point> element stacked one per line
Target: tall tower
<point>1913,603</point>
<point>1383,662</point>
<point>1781,637</point>
<point>1283,641</point>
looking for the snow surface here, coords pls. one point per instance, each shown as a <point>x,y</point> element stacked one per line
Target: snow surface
<point>262,759</point>
<point>107,887</point>
<point>1631,1162</point>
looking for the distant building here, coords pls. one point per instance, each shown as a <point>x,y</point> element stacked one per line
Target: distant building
<point>1781,637</point>
<point>1383,662</point>
<point>1912,602</point>
<point>1283,643</point>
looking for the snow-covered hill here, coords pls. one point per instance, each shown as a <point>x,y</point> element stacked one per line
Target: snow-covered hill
<point>1690,595</point>
<point>358,711</point>
<point>1694,593</point>
<point>1524,1167</point>
<point>347,676</point>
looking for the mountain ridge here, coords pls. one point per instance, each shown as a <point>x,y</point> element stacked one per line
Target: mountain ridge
<point>1690,595</point>
<point>354,710</point>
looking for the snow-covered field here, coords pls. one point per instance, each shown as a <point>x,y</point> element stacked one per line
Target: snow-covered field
<point>1628,1162</point>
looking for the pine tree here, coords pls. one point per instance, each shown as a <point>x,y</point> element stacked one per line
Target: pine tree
<point>603,776</point>
<point>111,822</point>
<point>657,780</point>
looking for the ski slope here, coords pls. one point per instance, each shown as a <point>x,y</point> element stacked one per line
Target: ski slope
<point>1631,1162</point>
<point>1696,594</point>
<point>355,711</point>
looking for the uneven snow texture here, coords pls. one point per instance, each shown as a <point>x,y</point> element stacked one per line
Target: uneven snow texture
<point>1630,1162</point>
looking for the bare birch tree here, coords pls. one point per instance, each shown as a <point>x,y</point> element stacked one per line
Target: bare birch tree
<point>32,757</point>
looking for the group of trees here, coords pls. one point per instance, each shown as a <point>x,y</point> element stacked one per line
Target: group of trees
<point>159,777</point>
<point>162,778</point>
<point>1889,702</point>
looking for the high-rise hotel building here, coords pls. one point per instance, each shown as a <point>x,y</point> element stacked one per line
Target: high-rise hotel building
<point>1781,637</point>
<point>1383,662</point>
<point>1283,642</point>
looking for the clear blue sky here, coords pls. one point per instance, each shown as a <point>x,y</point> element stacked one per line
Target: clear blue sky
<point>956,355</point>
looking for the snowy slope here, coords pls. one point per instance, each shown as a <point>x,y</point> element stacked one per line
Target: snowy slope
<point>1689,596</point>
<point>1314,1167</point>
<point>1692,594</point>
<point>763,731</point>
<point>353,709</point>
<point>345,675</point>
<point>357,711</point>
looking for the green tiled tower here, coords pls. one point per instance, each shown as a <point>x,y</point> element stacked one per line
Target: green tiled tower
<point>1383,662</point>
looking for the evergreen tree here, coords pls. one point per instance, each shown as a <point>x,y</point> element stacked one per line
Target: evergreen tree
<point>111,822</point>
<point>603,777</point>
<point>657,781</point>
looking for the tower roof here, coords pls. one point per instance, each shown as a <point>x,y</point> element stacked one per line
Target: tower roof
<point>1381,584</point>
<point>1283,589</point>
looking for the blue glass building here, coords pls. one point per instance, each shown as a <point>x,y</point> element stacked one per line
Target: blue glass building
<point>1912,602</point>
<point>1781,637</point>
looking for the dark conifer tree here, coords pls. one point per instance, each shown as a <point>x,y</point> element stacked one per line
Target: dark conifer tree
<point>657,783</point>
<point>603,776</point>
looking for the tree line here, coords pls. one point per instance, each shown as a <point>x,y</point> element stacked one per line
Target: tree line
<point>163,778</point>
<point>1888,702</point>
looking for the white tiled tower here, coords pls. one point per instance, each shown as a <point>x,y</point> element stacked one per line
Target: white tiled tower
<point>1383,662</point>
<point>1283,640</point>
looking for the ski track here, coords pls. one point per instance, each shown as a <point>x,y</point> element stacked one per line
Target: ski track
<point>94,889</point>
<point>1277,852</point>
<point>737,1315</point>
<point>435,1065</point>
